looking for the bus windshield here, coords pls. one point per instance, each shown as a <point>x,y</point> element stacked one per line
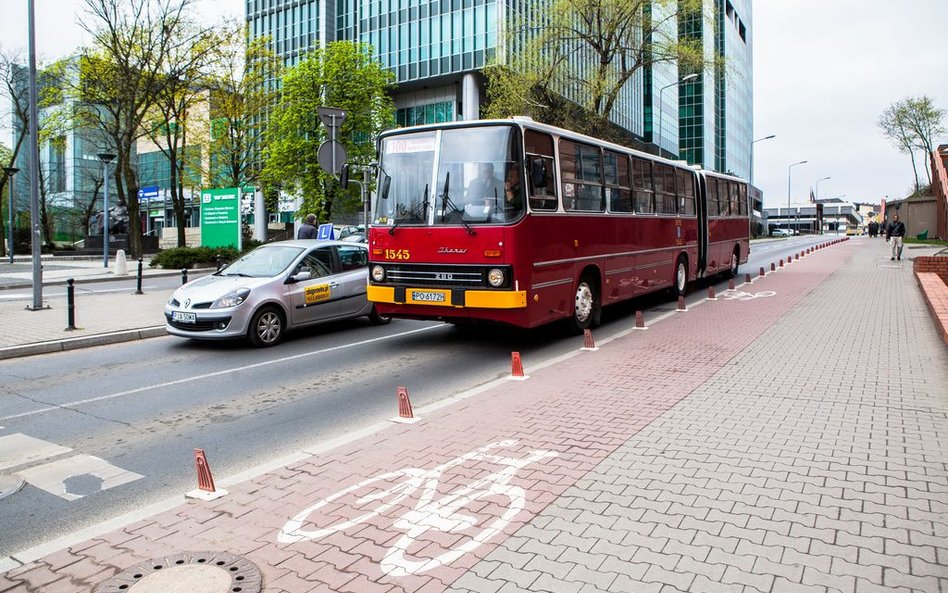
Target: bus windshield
<point>478,178</point>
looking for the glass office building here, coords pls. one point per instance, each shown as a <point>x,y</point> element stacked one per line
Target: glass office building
<point>436,49</point>
<point>716,110</point>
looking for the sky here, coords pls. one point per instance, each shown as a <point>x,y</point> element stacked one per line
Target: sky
<point>824,70</point>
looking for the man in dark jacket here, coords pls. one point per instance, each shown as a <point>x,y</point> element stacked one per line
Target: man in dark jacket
<point>893,234</point>
<point>308,229</point>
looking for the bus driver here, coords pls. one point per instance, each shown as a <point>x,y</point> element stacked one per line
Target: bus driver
<point>485,189</point>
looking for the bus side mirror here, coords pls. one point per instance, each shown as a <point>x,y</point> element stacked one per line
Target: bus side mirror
<point>344,177</point>
<point>385,183</point>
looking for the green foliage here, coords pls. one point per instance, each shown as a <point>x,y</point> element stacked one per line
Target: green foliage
<point>911,124</point>
<point>569,65</point>
<point>189,257</point>
<point>345,75</point>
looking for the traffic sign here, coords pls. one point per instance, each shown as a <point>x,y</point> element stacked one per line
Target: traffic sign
<point>332,117</point>
<point>148,192</point>
<point>331,156</point>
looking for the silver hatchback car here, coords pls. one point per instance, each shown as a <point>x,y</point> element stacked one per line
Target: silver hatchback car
<point>272,289</point>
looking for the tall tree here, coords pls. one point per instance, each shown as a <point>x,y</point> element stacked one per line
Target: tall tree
<point>911,124</point>
<point>182,89</point>
<point>243,87</point>
<point>570,64</point>
<point>344,75</point>
<point>122,76</point>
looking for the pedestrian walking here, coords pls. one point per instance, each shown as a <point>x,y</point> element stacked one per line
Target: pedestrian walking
<point>308,229</point>
<point>894,234</point>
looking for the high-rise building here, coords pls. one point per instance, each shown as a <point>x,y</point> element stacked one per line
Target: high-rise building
<point>437,48</point>
<point>716,110</point>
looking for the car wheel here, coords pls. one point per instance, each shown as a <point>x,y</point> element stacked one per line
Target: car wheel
<point>376,319</point>
<point>266,327</point>
<point>585,306</point>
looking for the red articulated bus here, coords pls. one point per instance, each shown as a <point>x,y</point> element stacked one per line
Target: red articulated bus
<point>522,223</point>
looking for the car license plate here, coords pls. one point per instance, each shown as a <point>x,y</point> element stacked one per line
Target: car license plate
<point>182,317</point>
<point>429,296</point>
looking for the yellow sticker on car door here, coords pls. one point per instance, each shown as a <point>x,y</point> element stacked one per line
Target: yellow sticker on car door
<point>317,294</point>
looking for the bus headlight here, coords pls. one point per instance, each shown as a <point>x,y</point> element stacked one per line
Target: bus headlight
<point>495,277</point>
<point>378,273</point>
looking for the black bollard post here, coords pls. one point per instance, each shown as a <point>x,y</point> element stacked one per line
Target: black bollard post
<point>184,275</point>
<point>70,305</point>
<point>138,290</point>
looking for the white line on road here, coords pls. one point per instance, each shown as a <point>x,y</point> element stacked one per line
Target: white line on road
<point>220,373</point>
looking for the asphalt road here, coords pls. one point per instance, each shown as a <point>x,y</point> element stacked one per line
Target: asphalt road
<point>144,406</point>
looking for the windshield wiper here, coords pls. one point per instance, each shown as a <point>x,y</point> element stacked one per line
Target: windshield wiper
<point>412,213</point>
<point>446,201</point>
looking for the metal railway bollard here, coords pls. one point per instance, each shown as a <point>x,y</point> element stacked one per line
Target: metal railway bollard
<point>70,304</point>
<point>138,289</point>
<point>184,275</point>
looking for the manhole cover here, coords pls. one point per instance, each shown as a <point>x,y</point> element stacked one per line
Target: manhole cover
<point>9,485</point>
<point>190,572</point>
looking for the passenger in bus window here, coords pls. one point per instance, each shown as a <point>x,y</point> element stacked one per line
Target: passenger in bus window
<point>485,189</point>
<point>513,192</point>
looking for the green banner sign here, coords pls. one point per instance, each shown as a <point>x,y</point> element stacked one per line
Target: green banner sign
<point>220,217</point>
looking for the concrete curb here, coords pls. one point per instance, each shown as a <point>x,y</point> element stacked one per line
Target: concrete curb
<point>130,277</point>
<point>81,342</point>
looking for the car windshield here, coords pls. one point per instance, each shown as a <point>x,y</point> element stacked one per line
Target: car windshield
<point>478,178</point>
<point>263,262</point>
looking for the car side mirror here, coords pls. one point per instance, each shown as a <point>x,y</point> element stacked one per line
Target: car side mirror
<point>299,277</point>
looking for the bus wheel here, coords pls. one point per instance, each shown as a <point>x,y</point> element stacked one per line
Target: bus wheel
<point>735,264</point>
<point>681,276</point>
<point>584,306</point>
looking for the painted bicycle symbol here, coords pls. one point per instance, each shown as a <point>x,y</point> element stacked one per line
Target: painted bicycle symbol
<point>376,496</point>
<point>739,295</point>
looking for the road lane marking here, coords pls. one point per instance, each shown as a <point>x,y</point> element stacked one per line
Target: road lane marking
<point>74,477</point>
<point>20,449</point>
<point>248,367</point>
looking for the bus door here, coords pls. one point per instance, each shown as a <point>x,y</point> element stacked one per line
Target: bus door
<point>703,240</point>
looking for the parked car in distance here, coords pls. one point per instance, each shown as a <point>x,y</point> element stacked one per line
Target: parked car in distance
<point>781,233</point>
<point>275,288</point>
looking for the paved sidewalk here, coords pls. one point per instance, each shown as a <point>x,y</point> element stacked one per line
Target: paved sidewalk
<point>107,318</point>
<point>791,439</point>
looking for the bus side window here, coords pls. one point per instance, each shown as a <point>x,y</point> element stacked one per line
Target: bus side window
<point>618,182</point>
<point>542,196</point>
<point>642,184</point>
<point>540,169</point>
<point>686,193</point>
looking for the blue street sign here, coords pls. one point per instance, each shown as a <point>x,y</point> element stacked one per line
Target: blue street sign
<point>324,232</point>
<point>149,192</point>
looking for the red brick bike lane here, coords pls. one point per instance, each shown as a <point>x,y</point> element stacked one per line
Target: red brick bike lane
<point>412,507</point>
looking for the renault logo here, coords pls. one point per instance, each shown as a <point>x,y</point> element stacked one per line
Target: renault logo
<point>187,303</point>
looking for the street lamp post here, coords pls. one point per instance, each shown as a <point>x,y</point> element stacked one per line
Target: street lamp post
<point>789,172</point>
<point>106,158</point>
<point>10,171</point>
<point>818,186</point>
<point>752,154</point>
<point>661,107</point>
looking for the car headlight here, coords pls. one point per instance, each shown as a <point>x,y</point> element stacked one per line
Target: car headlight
<point>378,273</point>
<point>495,277</point>
<point>231,299</point>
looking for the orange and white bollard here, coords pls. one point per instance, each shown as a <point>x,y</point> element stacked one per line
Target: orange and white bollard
<point>206,490</point>
<point>588,343</point>
<point>406,414</point>
<point>711,295</point>
<point>639,320</point>
<point>516,371</point>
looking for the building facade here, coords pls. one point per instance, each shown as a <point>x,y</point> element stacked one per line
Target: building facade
<point>716,115</point>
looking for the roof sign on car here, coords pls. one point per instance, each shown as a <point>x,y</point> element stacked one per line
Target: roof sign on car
<point>325,232</point>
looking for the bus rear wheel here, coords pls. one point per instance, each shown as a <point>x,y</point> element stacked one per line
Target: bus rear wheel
<point>585,306</point>
<point>735,264</point>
